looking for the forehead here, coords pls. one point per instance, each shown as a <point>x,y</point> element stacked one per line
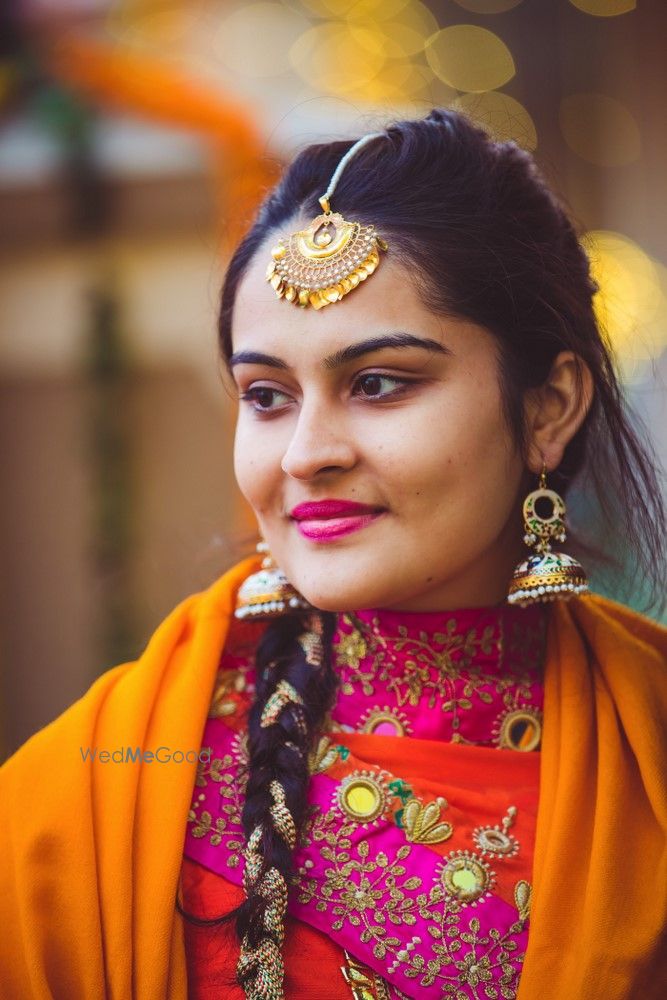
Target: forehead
<point>387,301</point>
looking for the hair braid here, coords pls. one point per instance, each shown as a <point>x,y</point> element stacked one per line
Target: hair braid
<point>295,688</point>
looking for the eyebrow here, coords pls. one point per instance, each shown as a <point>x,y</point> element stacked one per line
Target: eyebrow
<point>351,353</point>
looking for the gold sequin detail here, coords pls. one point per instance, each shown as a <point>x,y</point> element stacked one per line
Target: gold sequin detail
<point>496,841</point>
<point>519,729</point>
<point>466,877</point>
<point>362,796</point>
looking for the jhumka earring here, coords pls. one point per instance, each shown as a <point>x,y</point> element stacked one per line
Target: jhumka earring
<point>546,575</point>
<point>322,263</point>
<point>267,593</point>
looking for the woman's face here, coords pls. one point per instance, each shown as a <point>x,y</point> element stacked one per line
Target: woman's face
<point>372,447</point>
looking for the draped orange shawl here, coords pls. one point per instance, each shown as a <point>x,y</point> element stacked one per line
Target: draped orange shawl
<point>91,858</point>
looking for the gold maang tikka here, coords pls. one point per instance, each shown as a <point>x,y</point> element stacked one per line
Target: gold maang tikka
<point>322,263</point>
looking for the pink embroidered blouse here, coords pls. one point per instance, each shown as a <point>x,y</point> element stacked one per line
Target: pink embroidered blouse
<point>416,858</point>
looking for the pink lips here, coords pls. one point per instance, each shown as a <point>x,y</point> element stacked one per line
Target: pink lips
<point>328,519</point>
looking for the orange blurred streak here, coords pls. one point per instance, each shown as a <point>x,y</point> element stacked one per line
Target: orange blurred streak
<point>149,87</point>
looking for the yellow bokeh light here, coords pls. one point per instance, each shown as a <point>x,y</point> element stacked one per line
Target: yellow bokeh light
<point>358,10</point>
<point>488,6</point>
<point>254,40</point>
<point>502,116</point>
<point>604,8</point>
<point>631,305</point>
<point>403,36</point>
<point>337,57</point>
<point>399,82</point>
<point>469,58</point>
<point>599,129</point>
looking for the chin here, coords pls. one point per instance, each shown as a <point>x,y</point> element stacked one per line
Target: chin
<point>340,593</point>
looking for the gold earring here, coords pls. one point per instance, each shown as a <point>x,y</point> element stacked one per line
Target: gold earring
<point>268,593</point>
<point>545,575</point>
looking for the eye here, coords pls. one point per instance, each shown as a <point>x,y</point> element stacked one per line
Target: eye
<point>264,398</point>
<point>375,385</point>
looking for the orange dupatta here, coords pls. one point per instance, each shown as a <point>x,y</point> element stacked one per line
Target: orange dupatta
<point>92,859</point>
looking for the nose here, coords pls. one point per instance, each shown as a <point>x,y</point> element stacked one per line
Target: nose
<point>319,444</point>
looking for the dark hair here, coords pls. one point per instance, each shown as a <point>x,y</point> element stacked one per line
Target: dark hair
<point>485,239</point>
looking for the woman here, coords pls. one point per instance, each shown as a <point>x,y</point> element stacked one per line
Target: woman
<point>455,793</point>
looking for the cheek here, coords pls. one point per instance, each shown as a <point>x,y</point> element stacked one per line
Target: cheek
<point>258,453</point>
<point>251,465</point>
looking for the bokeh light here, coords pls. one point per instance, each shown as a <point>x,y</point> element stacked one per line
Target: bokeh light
<point>502,116</point>
<point>599,129</point>
<point>337,57</point>
<point>469,58</point>
<point>604,8</point>
<point>410,29</point>
<point>354,9</point>
<point>631,305</point>
<point>488,6</point>
<point>254,40</point>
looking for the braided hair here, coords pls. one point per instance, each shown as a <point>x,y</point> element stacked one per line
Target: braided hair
<point>296,684</point>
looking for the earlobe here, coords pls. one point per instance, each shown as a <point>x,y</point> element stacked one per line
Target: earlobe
<point>557,409</point>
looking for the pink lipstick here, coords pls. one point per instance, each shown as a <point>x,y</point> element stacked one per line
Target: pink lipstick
<point>325,520</point>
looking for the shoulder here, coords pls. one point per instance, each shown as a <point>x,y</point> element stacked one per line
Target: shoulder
<point>614,626</point>
<point>623,652</point>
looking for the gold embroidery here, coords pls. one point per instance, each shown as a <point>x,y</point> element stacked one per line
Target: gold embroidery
<point>228,684</point>
<point>224,772</point>
<point>523,896</point>
<point>377,719</point>
<point>384,896</point>
<point>365,984</point>
<point>466,877</point>
<point>497,842</point>
<point>362,796</point>
<point>323,756</point>
<point>350,648</point>
<point>414,667</point>
<point>519,728</point>
<point>422,823</point>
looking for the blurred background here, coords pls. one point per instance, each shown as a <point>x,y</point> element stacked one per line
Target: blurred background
<point>136,139</point>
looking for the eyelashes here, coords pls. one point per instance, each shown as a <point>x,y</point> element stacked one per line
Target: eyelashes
<point>371,387</point>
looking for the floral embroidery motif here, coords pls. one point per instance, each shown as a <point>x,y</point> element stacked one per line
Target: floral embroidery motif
<point>420,652</point>
<point>224,829</point>
<point>423,824</point>
<point>382,885</point>
<point>374,892</point>
<point>350,647</point>
<point>440,676</point>
<point>488,954</point>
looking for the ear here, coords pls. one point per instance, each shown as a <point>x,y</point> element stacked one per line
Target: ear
<point>556,410</point>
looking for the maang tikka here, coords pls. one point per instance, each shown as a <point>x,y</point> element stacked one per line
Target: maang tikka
<point>545,575</point>
<point>323,262</point>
